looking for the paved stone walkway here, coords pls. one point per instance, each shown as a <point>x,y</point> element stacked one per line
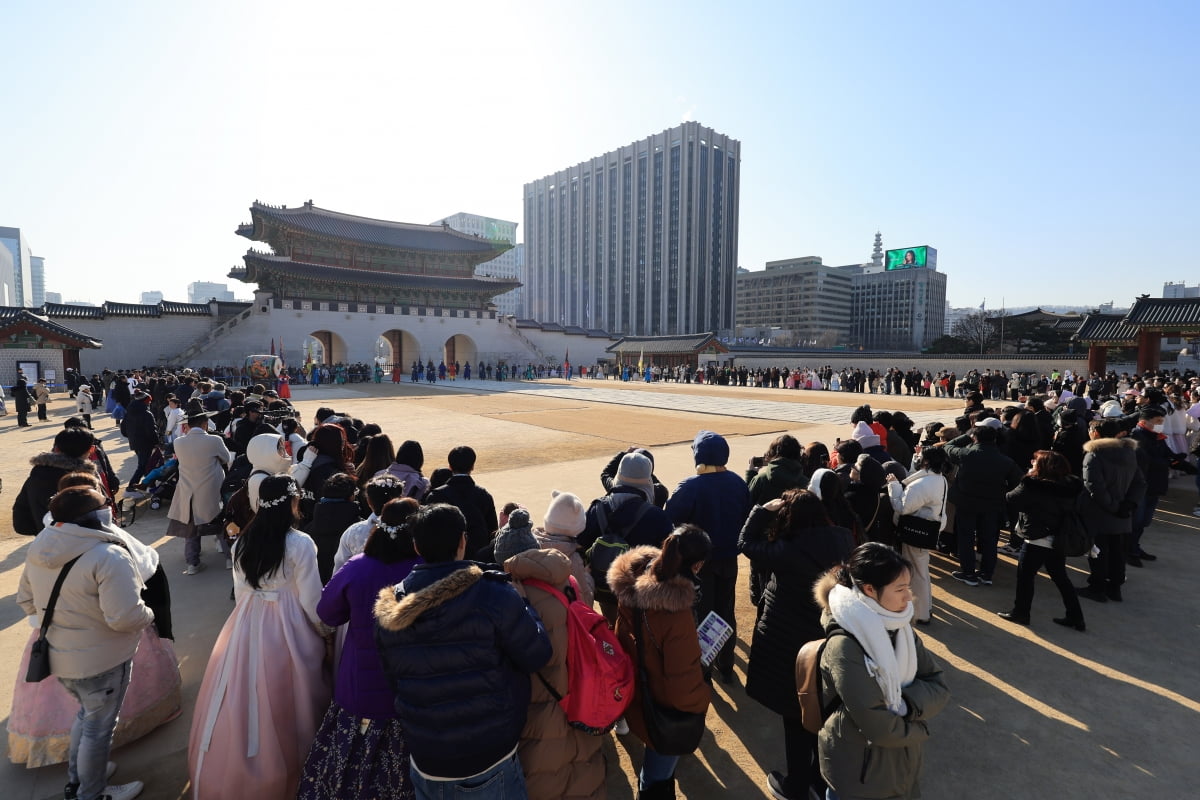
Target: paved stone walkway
<point>752,406</point>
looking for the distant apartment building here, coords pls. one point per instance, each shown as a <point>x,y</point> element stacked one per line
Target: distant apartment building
<point>20,284</point>
<point>509,264</point>
<point>203,291</point>
<point>151,298</point>
<point>7,292</point>
<point>54,297</point>
<point>642,240</point>
<point>810,301</point>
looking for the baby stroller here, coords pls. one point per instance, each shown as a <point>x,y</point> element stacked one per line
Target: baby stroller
<point>162,476</point>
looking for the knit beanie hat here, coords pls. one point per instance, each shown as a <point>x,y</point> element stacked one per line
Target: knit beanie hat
<point>75,502</point>
<point>870,471</point>
<point>635,470</point>
<point>711,449</point>
<point>864,435</point>
<point>566,514</point>
<point>515,537</point>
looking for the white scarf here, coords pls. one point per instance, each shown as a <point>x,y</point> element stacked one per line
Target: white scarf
<point>892,666</point>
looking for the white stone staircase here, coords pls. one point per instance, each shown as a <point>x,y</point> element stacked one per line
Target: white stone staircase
<point>210,338</point>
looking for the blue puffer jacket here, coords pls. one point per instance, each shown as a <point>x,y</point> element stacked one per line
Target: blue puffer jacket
<point>458,646</point>
<point>717,501</point>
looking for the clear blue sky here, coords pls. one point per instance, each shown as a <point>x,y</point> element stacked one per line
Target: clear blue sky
<point>1047,149</point>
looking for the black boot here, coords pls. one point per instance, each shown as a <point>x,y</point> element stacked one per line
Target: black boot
<point>663,790</point>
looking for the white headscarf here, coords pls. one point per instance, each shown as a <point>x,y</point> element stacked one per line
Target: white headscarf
<point>893,665</point>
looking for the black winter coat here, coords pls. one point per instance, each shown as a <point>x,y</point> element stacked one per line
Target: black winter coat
<point>20,392</point>
<point>622,504</point>
<point>1154,459</point>
<point>1042,504</point>
<point>788,616</point>
<point>458,646</point>
<point>476,504</point>
<point>1114,485</point>
<point>984,475</point>
<point>33,501</point>
<point>139,427</point>
<point>329,522</point>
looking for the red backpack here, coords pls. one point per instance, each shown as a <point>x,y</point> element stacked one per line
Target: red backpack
<point>599,673</point>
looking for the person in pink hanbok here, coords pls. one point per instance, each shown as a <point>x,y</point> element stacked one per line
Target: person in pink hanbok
<point>266,687</point>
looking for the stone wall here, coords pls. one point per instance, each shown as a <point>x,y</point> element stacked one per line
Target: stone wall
<point>137,341</point>
<point>48,358</point>
<point>960,364</point>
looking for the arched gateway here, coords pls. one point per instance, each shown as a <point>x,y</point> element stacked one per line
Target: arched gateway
<point>328,261</point>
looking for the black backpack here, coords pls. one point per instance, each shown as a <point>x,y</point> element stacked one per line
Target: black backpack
<point>611,543</point>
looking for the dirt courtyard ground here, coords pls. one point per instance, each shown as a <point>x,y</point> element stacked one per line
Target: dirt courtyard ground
<point>1036,712</point>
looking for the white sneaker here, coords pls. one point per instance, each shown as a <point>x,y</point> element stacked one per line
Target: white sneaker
<point>123,791</point>
<point>622,727</point>
<point>194,569</point>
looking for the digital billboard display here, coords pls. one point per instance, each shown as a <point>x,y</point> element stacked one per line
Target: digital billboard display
<point>910,257</point>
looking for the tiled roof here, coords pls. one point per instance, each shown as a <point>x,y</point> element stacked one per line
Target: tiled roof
<point>112,309</point>
<point>1105,329</point>
<point>575,330</point>
<point>22,317</point>
<point>553,326</point>
<point>1163,313</point>
<point>398,235</point>
<point>1067,324</point>
<point>65,311</point>
<point>666,344</point>
<point>596,333</point>
<point>187,309</point>
<point>528,323</point>
<point>286,266</point>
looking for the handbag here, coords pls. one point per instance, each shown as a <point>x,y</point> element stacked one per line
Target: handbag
<point>671,732</point>
<point>39,652</point>
<point>917,531</point>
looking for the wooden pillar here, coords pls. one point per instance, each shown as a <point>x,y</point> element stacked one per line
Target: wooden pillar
<point>1097,359</point>
<point>1149,351</point>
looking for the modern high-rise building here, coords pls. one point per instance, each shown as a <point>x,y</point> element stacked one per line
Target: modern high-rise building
<point>21,286</point>
<point>151,298</point>
<point>7,292</point>
<point>508,264</point>
<point>37,272</point>
<point>901,307</point>
<point>807,299</point>
<point>642,240</point>
<point>203,291</point>
<point>54,297</point>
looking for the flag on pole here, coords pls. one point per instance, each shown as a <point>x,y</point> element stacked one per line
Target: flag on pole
<point>981,305</point>
<point>281,358</point>
<point>272,347</point>
<point>641,355</point>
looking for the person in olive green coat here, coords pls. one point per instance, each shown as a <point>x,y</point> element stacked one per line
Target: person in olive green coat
<point>882,682</point>
<point>769,476</point>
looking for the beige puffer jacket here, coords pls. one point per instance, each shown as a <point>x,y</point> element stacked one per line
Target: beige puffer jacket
<point>559,761</point>
<point>100,614</point>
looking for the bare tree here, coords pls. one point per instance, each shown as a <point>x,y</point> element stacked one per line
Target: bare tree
<point>980,330</point>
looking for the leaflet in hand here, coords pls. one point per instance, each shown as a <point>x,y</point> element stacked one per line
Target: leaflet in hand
<point>713,632</point>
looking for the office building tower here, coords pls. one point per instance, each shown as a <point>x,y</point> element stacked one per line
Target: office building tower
<point>37,272</point>
<point>807,299</point>
<point>642,240</point>
<point>901,308</point>
<point>21,285</point>
<point>151,298</point>
<point>509,264</point>
<point>203,291</point>
<point>54,297</point>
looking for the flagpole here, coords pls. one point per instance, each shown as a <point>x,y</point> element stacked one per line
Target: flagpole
<point>1002,315</point>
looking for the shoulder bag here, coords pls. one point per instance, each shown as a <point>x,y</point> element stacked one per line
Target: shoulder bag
<point>671,732</point>
<point>39,652</point>
<point>917,531</point>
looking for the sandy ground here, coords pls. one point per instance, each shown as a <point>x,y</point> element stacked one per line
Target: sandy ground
<point>1036,712</point>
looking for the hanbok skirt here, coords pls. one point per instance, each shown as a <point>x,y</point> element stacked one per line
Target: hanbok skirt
<point>356,759</point>
<point>39,727</point>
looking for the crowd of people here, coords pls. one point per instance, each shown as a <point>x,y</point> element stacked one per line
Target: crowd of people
<point>396,634</point>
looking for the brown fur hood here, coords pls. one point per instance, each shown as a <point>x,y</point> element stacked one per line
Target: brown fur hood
<point>64,462</point>
<point>398,613</point>
<point>1096,445</point>
<point>823,587</point>
<point>636,587</point>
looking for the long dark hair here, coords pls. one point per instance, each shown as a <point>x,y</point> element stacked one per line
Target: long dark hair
<point>816,456</point>
<point>801,510</point>
<point>377,457</point>
<point>330,440</point>
<point>391,540</point>
<point>841,513</point>
<point>686,546</point>
<point>261,545</point>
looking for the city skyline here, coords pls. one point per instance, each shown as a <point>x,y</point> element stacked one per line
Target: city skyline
<point>1041,168</point>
